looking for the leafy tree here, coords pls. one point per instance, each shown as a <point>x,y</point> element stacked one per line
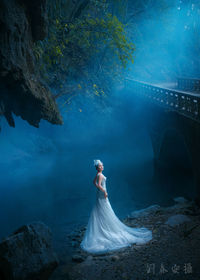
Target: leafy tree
<point>86,49</point>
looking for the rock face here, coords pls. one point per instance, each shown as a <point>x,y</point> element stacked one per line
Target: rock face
<point>21,90</point>
<point>27,254</point>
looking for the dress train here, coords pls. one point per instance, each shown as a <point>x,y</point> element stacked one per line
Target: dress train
<point>105,232</point>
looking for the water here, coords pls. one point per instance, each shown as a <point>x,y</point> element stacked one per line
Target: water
<point>47,173</point>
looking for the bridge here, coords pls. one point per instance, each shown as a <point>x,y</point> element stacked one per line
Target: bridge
<point>174,110</point>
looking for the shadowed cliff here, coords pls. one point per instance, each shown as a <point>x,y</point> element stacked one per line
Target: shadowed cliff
<point>21,90</point>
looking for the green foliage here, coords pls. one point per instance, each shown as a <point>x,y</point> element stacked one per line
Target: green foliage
<point>89,48</point>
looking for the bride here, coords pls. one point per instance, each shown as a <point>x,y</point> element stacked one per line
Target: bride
<point>104,231</point>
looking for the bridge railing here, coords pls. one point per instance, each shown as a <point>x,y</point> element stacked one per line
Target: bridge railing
<point>183,103</point>
<point>188,84</point>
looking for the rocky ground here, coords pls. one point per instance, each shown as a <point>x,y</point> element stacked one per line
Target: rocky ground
<point>173,253</point>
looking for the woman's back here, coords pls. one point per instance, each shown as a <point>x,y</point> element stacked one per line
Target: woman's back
<point>99,193</point>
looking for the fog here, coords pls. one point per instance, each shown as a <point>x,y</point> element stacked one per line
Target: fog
<point>166,41</point>
<point>47,173</point>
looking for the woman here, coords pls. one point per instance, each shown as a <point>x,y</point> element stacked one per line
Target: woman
<point>105,232</point>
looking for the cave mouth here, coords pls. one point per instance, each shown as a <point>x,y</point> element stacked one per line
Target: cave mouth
<point>174,165</point>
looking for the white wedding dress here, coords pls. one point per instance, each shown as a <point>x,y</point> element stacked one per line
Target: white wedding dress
<point>105,232</point>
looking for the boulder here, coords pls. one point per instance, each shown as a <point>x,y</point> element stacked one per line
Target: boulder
<point>180,199</point>
<point>177,220</point>
<point>27,254</point>
<point>145,211</point>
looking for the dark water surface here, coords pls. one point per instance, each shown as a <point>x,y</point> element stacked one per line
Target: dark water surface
<point>47,173</point>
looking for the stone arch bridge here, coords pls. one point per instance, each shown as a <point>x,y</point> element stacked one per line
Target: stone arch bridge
<point>176,111</point>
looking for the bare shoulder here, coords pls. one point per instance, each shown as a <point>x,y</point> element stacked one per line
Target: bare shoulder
<point>100,175</point>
